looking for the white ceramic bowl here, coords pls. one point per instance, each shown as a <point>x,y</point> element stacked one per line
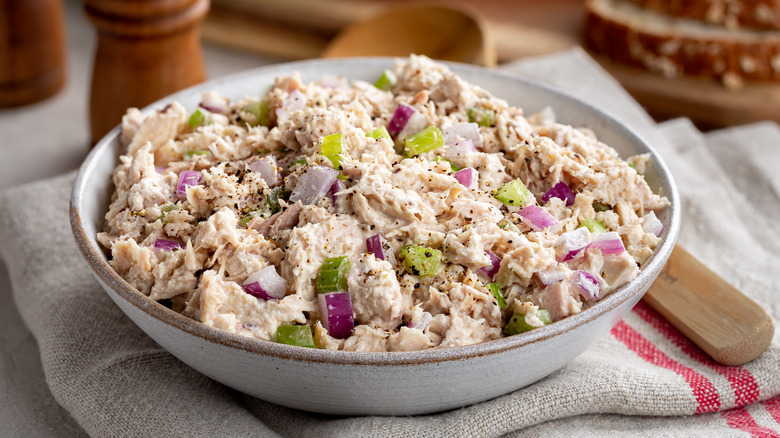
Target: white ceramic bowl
<point>354,383</point>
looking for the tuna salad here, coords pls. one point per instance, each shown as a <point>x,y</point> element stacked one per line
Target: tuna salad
<point>415,212</point>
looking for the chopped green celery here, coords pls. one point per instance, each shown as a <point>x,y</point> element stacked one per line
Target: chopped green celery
<point>481,116</point>
<point>333,275</point>
<point>426,140</point>
<point>273,199</point>
<point>189,155</point>
<point>513,193</point>
<point>386,81</point>
<point>495,289</point>
<point>246,218</point>
<point>421,260</point>
<point>263,212</point>
<point>298,161</point>
<point>594,226</point>
<point>508,225</point>
<point>332,147</point>
<point>166,208</point>
<point>292,334</point>
<point>518,325</point>
<point>380,132</point>
<point>452,166</point>
<point>197,118</point>
<point>260,111</point>
<point>600,206</point>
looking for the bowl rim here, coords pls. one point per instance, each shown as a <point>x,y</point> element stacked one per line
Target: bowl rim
<point>94,256</point>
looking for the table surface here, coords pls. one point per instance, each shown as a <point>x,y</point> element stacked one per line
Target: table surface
<point>29,153</point>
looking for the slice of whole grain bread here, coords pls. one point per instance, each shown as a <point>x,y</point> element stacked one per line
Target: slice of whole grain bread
<point>733,14</point>
<point>632,35</point>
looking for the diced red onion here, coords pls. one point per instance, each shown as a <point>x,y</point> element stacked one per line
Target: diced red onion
<point>214,103</point>
<point>459,150</point>
<point>332,81</point>
<point>467,177</point>
<point>462,131</point>
<point>187,178</point>
<point>608,243</point>
<point>538,218</point>
<point>495,264</point>
<point>294,101</point>
<point>167,245</point>
<point>570,245</point>
<point>400,118</point>
<point>314,184</point>
<point>551,275</point>
<point>336,314</point>
<point>651,224</point>
<point>378,246</point>
<point>267,169</point>
<point>335,189</point>
<point>421,322</point>
<point>161,170</point>
<point>587,284</point>
<point>560,191</point>
<point>266,284</point>
<point>416,123</point>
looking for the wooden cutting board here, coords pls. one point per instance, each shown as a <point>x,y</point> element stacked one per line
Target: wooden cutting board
<point>297,29</point>
<point>705,101</point>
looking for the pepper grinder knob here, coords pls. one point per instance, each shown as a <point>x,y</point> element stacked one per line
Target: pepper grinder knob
<point>146,49</point>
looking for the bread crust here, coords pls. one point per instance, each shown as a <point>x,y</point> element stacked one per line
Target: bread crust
<point>758,14</point>
<point>673,51</point>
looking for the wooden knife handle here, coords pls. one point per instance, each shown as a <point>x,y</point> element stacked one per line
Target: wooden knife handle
<point>725,323</point>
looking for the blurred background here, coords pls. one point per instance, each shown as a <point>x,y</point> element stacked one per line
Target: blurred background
<point>68,68</point>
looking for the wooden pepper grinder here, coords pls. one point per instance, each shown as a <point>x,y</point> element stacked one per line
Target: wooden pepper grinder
<point>146,50</point>
<point>32,51</point>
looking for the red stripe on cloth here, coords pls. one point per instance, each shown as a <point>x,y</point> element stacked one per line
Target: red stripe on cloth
<point>707,399</point>
<point>740,419</point>
<point>741,380</point>
<point>773,407</point>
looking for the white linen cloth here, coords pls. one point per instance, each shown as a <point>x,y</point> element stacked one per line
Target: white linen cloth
<point>643,379</point>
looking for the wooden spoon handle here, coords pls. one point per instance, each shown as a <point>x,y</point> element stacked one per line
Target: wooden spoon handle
<point>716,316</point>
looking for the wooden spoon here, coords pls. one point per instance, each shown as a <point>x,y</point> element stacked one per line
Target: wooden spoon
<point>446,32</point>
<point>721,320</point>
<point>716,316</point>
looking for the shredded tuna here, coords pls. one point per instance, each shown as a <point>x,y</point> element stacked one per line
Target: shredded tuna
<point>238,220</point>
